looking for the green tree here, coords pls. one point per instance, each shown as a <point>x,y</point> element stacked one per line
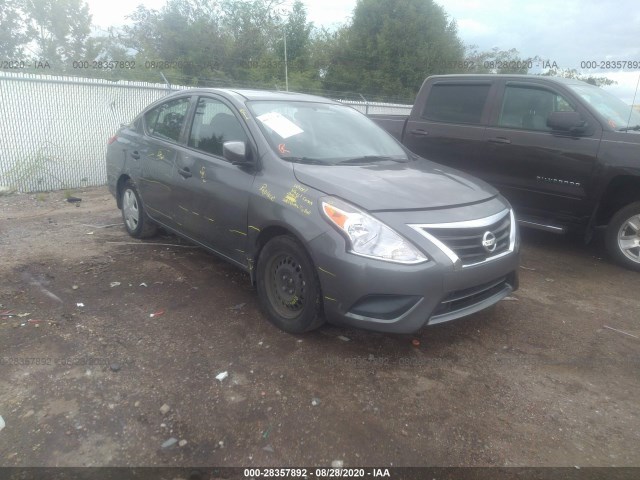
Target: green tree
<point>254,29</point>
<point>496,61</point>
<point>51,31</point>
<point>182,41</point>
<point>110,47</point>
<point>298,32</point>
<point>303,74</point>
<point>390,47</point>
<point>308,71</point>
<point>15,32</point>
<point>205,42</point>
<point>596,80</point>
<point>59,29</point>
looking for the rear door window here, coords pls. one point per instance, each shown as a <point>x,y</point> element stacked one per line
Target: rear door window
<point>459,103</point>
<point>166,120</point>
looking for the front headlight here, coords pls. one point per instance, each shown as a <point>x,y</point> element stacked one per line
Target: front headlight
<point>367,236</point>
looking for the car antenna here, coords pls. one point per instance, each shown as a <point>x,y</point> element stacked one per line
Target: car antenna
<point>633,102</point>
<point>165,80</point>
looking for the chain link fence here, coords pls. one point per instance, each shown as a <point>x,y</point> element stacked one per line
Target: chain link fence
<point>54,130</point>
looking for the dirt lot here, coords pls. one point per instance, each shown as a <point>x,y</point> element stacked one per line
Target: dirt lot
<point>537,380</point>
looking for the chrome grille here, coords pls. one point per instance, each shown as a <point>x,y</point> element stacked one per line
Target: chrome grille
<point>466,243</point>
<point>469,243</point>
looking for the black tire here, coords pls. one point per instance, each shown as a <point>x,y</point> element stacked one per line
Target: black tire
<point>288,286</point>
<point>623,237</point>
<point>136,221</point>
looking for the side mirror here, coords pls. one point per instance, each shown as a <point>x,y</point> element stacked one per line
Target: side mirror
<point>570,122</point>
<point>235,152</point>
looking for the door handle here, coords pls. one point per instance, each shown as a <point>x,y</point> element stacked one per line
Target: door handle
<point>499,140</point>
<point>419,133</point>
<point>185,172</point>
<point>135,155</point>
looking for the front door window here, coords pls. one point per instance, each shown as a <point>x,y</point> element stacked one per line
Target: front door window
<point>528,108</point>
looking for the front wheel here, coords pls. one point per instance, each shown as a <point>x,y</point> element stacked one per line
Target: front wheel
<point>288,286</point>
<point>136,221</point>
<point>623,236</point>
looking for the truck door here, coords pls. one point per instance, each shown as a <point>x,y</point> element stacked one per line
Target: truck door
<point>544,174</point>
<point>448,122</point>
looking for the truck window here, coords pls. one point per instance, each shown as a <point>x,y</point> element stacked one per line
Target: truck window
<point>529,107</point>
<point>456,103</point>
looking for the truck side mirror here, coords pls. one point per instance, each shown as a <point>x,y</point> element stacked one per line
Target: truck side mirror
<point>236,153</point>
<point>570,122</point>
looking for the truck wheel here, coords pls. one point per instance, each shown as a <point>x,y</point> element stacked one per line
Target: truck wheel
<point>623,236</point>
<point>136,221</point>
<point>288,286</point>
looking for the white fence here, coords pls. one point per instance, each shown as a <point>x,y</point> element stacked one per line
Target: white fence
<point>379,108</point>
<point>54,130</point>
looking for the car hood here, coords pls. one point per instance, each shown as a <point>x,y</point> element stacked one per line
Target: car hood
<point>414,185</point>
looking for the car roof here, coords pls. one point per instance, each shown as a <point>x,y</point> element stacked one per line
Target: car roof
<point>246,94</point>
<point>485,76</point>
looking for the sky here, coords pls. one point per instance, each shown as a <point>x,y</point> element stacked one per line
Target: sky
<point>566,32</point>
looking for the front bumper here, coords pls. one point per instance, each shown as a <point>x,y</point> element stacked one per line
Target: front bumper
<point>377,295</point>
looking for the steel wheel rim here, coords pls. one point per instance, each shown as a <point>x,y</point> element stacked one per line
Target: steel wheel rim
<point>629,238</point>
<point>286,285</point>
<point>130,209</point>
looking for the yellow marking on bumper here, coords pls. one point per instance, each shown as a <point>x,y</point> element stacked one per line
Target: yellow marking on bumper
<point>331,299</point>
<point>254,228</point>
<point>238,232</point>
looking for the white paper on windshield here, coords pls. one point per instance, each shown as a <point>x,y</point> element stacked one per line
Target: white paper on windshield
<point>280,124</point>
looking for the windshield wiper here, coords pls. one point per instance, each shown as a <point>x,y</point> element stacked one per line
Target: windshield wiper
<point>370,159</point>
<point>306,160</point>
<point>626,129</point>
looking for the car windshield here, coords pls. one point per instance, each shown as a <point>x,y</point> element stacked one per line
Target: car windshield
<point>617,113</point>
<point>324,133</point>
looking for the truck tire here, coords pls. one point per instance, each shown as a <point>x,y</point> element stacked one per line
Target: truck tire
<point>623,236</point>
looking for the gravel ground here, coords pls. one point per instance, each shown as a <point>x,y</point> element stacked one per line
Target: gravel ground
<point>108,330</point>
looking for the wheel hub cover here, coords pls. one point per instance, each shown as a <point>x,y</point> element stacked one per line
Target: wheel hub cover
<point>289,283</point>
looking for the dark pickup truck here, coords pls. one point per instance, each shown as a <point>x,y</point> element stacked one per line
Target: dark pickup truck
<point>566,154</point>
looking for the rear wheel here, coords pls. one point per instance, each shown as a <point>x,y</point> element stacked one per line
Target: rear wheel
<point>288,286</point>
<point>136,221</point>
<point>623,236</point>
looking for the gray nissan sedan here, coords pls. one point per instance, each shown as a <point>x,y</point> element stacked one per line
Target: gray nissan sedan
<point>333,218</point>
